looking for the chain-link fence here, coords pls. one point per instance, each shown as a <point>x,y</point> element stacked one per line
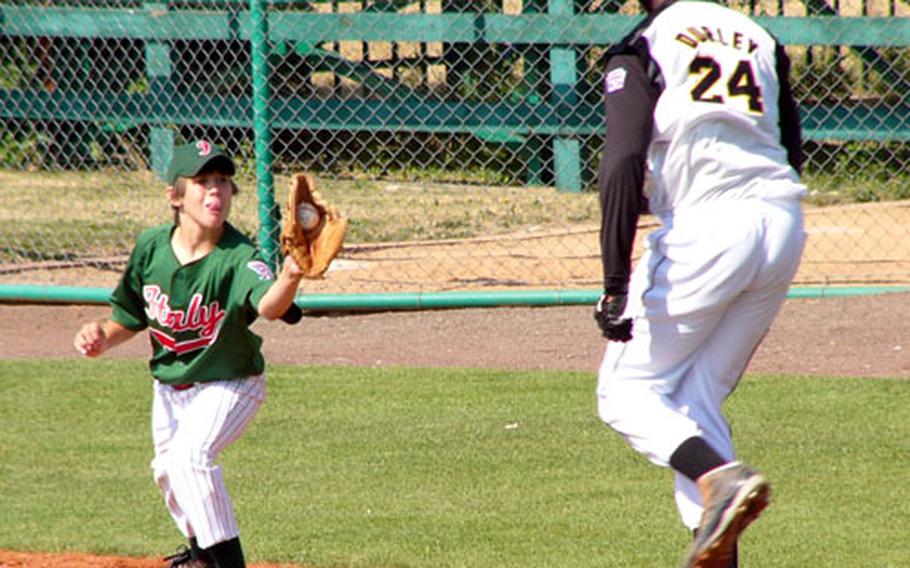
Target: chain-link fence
<point>461,137</point>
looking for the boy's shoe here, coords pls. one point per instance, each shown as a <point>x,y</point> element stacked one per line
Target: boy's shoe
<point>183,558</point>
<point>733,496</point>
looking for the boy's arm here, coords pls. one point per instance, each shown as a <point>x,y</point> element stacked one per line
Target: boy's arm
<point>281,295</point>
<point>97,337</point>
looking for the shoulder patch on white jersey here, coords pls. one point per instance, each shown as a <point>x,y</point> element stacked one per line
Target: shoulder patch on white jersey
<point>616,79</point>
<point>260,268</point>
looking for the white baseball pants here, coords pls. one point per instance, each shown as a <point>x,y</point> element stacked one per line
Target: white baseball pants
<point>703,295</point>
<point>190,428</point>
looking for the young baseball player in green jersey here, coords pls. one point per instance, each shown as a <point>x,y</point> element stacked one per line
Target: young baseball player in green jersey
<point>197,285</point>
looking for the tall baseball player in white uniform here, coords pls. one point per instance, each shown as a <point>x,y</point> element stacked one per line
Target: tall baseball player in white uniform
<point>698,96</point>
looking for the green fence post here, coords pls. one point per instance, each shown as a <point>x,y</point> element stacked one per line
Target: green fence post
<point>262,134</point>
<point>158,72</point>
<point>564,76</point>
<point>534,69</point>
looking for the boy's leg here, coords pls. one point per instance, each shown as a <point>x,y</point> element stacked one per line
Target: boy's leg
<point>166,410</point>
<point>217,415</point>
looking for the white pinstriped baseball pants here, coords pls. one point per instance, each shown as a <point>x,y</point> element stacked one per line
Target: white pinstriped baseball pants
<point>702,297</point>
<point>190,428</point>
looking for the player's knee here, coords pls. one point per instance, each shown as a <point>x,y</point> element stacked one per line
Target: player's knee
<point>611,406</point>
<point>618,403</point>
<point>189,454</point>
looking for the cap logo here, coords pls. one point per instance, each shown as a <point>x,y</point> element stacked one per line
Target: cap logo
<point>205,147</point>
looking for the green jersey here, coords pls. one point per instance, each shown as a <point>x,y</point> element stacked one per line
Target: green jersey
<point>198,315</point>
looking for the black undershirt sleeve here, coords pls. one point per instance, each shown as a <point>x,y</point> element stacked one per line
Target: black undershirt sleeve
<point>790,130</point>
<point>629,106</point>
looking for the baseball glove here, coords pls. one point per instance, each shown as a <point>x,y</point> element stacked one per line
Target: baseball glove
<point>312,249</point>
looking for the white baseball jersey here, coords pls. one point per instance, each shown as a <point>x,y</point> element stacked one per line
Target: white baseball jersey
<point>716,122</point>
<point>698,95</point>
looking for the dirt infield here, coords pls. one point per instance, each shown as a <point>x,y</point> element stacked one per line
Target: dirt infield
<point>13,559</point>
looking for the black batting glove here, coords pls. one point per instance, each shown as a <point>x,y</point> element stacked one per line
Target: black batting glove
<point>608,314</point>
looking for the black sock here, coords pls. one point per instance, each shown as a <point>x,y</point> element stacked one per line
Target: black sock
<point>227,554</point>
<point>198,553</point>
<point>694,457</point>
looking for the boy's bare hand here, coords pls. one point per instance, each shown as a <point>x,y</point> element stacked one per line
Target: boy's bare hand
<point>291,269</point>
<point>91,340</point>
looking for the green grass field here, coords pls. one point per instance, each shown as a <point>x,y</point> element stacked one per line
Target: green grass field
<point>444,468</point>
